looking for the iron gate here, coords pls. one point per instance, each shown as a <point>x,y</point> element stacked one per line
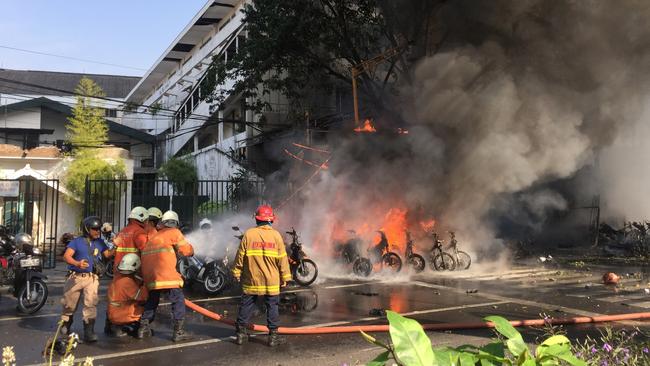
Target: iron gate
<point>32,206</point>
<point>113,199</point>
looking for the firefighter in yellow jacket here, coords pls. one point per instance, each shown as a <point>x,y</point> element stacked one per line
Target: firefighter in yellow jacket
<point>160,276</point>
<point>262,267</point>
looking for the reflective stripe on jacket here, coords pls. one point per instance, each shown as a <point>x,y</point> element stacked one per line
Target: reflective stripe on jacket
<point>126,298</point>
<point>159,259</point>
<point>261,261</point>
<point>130,240</point>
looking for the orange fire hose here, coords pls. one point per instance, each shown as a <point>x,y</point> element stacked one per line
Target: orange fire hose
<point>441,326</point>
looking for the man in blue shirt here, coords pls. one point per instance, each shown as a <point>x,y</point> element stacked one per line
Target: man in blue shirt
<point>80,254</point>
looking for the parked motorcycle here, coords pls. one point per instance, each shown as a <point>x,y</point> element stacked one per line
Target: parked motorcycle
<point>440,260</point>
<point>22,268</point>
<point>414,260</point>
<point>463,260</point>
<point>303,269</point>
<point>349,250</point>
<point>380,253</point>
<point>207,274</point>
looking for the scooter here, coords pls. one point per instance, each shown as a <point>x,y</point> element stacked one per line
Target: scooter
<point>303,269</point>
<point>361,266</point>
<point>23,270</point>
<point>207,274</point>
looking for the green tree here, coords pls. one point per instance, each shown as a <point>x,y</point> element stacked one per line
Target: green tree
<point>294,46</point>
<point>88,133</point>
<point>87,127</point>
<point>181,174</point>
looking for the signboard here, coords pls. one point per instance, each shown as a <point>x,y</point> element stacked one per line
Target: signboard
<point>9,188</point>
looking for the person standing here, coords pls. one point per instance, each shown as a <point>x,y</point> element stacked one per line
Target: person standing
<point>81,279</point>
<point>126,296</point>
<point>154,218</point>
<point>262,267</point>
<point>160,275</point>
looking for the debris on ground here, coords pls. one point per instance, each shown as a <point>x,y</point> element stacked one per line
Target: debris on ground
<point>360,293</point>
<point>611,278</point>
<point>377,312</point>
<point>472,291</point>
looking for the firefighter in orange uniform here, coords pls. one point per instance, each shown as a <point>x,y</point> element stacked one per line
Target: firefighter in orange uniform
<point>126,296</point>
<point>262,267</point>
<point>160,275</point>
<point>129,240</point>
<point>154,218</point>
<point>132,238</point>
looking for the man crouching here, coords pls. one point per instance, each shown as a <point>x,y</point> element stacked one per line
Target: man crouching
<point>126,297</point>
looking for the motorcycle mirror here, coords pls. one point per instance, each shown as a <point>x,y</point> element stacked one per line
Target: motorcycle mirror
<point>236,228</point>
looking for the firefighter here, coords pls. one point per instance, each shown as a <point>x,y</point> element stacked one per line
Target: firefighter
<point>126,296</point>
<point>81,278</point>
<point>129,240</point>
<point>262,267</point>
<point>154,218</point>
<point>160,275</point>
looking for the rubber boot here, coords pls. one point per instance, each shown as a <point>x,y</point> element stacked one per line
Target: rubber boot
<point>113,330</point>
<point>66,327</point>
<point>241,336</point>
<point>144,330</point>
<point>89,331</point>
<point>274,338</point>
<point>179,332</point>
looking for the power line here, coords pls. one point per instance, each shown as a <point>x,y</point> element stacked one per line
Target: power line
<point>71,58</point>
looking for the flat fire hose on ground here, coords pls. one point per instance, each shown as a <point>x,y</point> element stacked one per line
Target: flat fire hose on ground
<point>439,326</point>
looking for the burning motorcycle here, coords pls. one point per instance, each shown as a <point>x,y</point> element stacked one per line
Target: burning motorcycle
<point>350,255</point>
<point>414,260</point>
<point>440,260</point>
<point>463,260</point>
<point>22,269</point>
<point>303,269</point>
<point>380,253</point>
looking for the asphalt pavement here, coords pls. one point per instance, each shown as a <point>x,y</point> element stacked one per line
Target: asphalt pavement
<point>518,292</point>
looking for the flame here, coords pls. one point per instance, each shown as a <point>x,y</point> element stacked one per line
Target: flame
<point>428,225</point>
<point>367,127</point>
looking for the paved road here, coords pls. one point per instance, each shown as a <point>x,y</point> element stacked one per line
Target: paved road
<point>516,293</point>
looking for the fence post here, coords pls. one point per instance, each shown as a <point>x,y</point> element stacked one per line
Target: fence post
<point>86,202</point>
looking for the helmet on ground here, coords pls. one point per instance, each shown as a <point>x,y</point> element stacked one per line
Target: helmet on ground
<point>107,227</point>
<point>205,224</point>
<point>22,240</point>
<point>129,264</point>
<point>169,219</point>
<point>139,213</point>
<point>264,213</point>
<point>154,213</point>
<point>90,222</point>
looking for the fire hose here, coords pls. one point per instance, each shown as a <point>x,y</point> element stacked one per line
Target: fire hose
<point>439,326</point>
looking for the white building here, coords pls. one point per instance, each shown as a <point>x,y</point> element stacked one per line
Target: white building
<point>173,83</point>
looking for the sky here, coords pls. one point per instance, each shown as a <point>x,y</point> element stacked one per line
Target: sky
<point>128,33</point>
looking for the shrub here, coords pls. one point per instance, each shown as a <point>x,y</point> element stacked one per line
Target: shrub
<point>181,173</point>
<point>92,167</point>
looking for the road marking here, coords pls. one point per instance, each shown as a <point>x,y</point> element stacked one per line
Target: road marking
<point>29,317</point>
<point>416,312</point>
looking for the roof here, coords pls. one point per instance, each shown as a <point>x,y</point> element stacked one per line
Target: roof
<point>11,81</point>
<point>198,28</point>
<point>66,109</point>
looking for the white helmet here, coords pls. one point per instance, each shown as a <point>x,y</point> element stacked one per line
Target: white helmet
<point>205,222</point>
<point>155,212</point>
<point>106,227</point>
<point>139,213</point>
<point>169,219</point>
<point>129,264</point>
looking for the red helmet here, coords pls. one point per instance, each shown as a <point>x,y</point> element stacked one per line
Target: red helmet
<point>264,213</point>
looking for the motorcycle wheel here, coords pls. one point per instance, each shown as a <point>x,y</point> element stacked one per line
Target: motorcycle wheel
<point>109,268</point>
<point>214,282</point>
<point>362,267</point>
<point>464,260</point>
<point>305,273</point>
<point>444,261</point>
<point>392,260</point>
<point>417,263</point>
<point>38,290</point>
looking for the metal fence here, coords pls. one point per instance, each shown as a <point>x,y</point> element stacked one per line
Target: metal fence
<point>113,199</point>
<point>32,206</point>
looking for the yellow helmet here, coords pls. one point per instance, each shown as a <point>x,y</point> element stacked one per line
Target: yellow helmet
<point>155,212</point>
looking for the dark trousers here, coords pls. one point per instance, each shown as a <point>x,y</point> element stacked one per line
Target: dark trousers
<point>247,307</point>
<point>175,296</point>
